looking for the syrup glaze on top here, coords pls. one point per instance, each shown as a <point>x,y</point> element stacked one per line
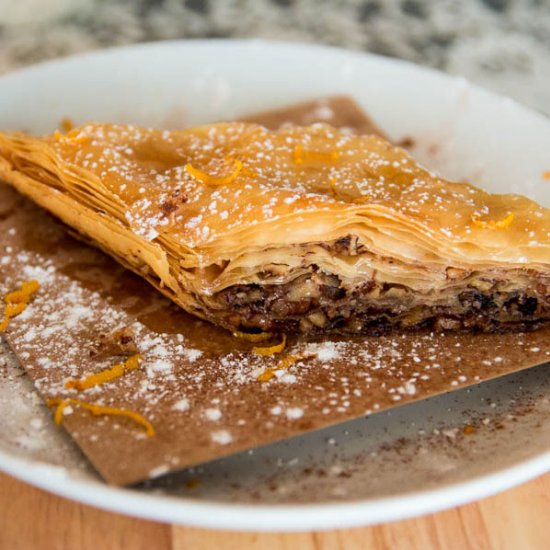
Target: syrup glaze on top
<point>208,182</point>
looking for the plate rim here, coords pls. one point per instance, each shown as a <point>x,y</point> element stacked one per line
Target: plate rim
<point>258,517</point>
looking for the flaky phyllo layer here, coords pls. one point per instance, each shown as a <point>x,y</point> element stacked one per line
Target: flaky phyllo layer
<point>305,229</point>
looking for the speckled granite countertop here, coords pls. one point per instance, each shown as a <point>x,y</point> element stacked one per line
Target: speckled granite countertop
<point>503,45</point>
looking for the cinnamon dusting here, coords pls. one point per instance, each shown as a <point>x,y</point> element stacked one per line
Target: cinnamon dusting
<point>192,483</point>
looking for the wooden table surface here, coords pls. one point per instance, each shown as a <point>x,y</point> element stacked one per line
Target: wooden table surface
<point>518,519</point>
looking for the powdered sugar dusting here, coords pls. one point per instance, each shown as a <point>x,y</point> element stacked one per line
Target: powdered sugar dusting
<point>182,405</point>
<point>294,412</point>
<point>213,414</point>
<point>222,437</point>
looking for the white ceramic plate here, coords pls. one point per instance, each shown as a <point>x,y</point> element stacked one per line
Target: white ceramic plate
<point>410,461</point>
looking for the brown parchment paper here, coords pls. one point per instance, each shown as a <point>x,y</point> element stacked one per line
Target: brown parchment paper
<point>198,384</point>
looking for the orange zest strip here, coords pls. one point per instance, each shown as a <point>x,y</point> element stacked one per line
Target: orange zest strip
<point>301,155</point>
<point>61,404</point>
<point>289,360</point>
<point>106,375</point>
<point>73,136</point>
<point>28,288</point>
<point>207,179</point>
<point>271,350</point>
<point>492,224</point>
<point>253,336</point>
<point>99,410</point>
<point>283,364</point>
<point>17,301</point>
<point>267,375</point>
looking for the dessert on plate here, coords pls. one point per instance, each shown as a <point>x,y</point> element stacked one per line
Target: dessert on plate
<point>303,229</point>
<point>133,379</point>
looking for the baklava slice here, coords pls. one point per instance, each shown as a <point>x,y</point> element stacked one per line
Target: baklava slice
<point>303,229</point>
